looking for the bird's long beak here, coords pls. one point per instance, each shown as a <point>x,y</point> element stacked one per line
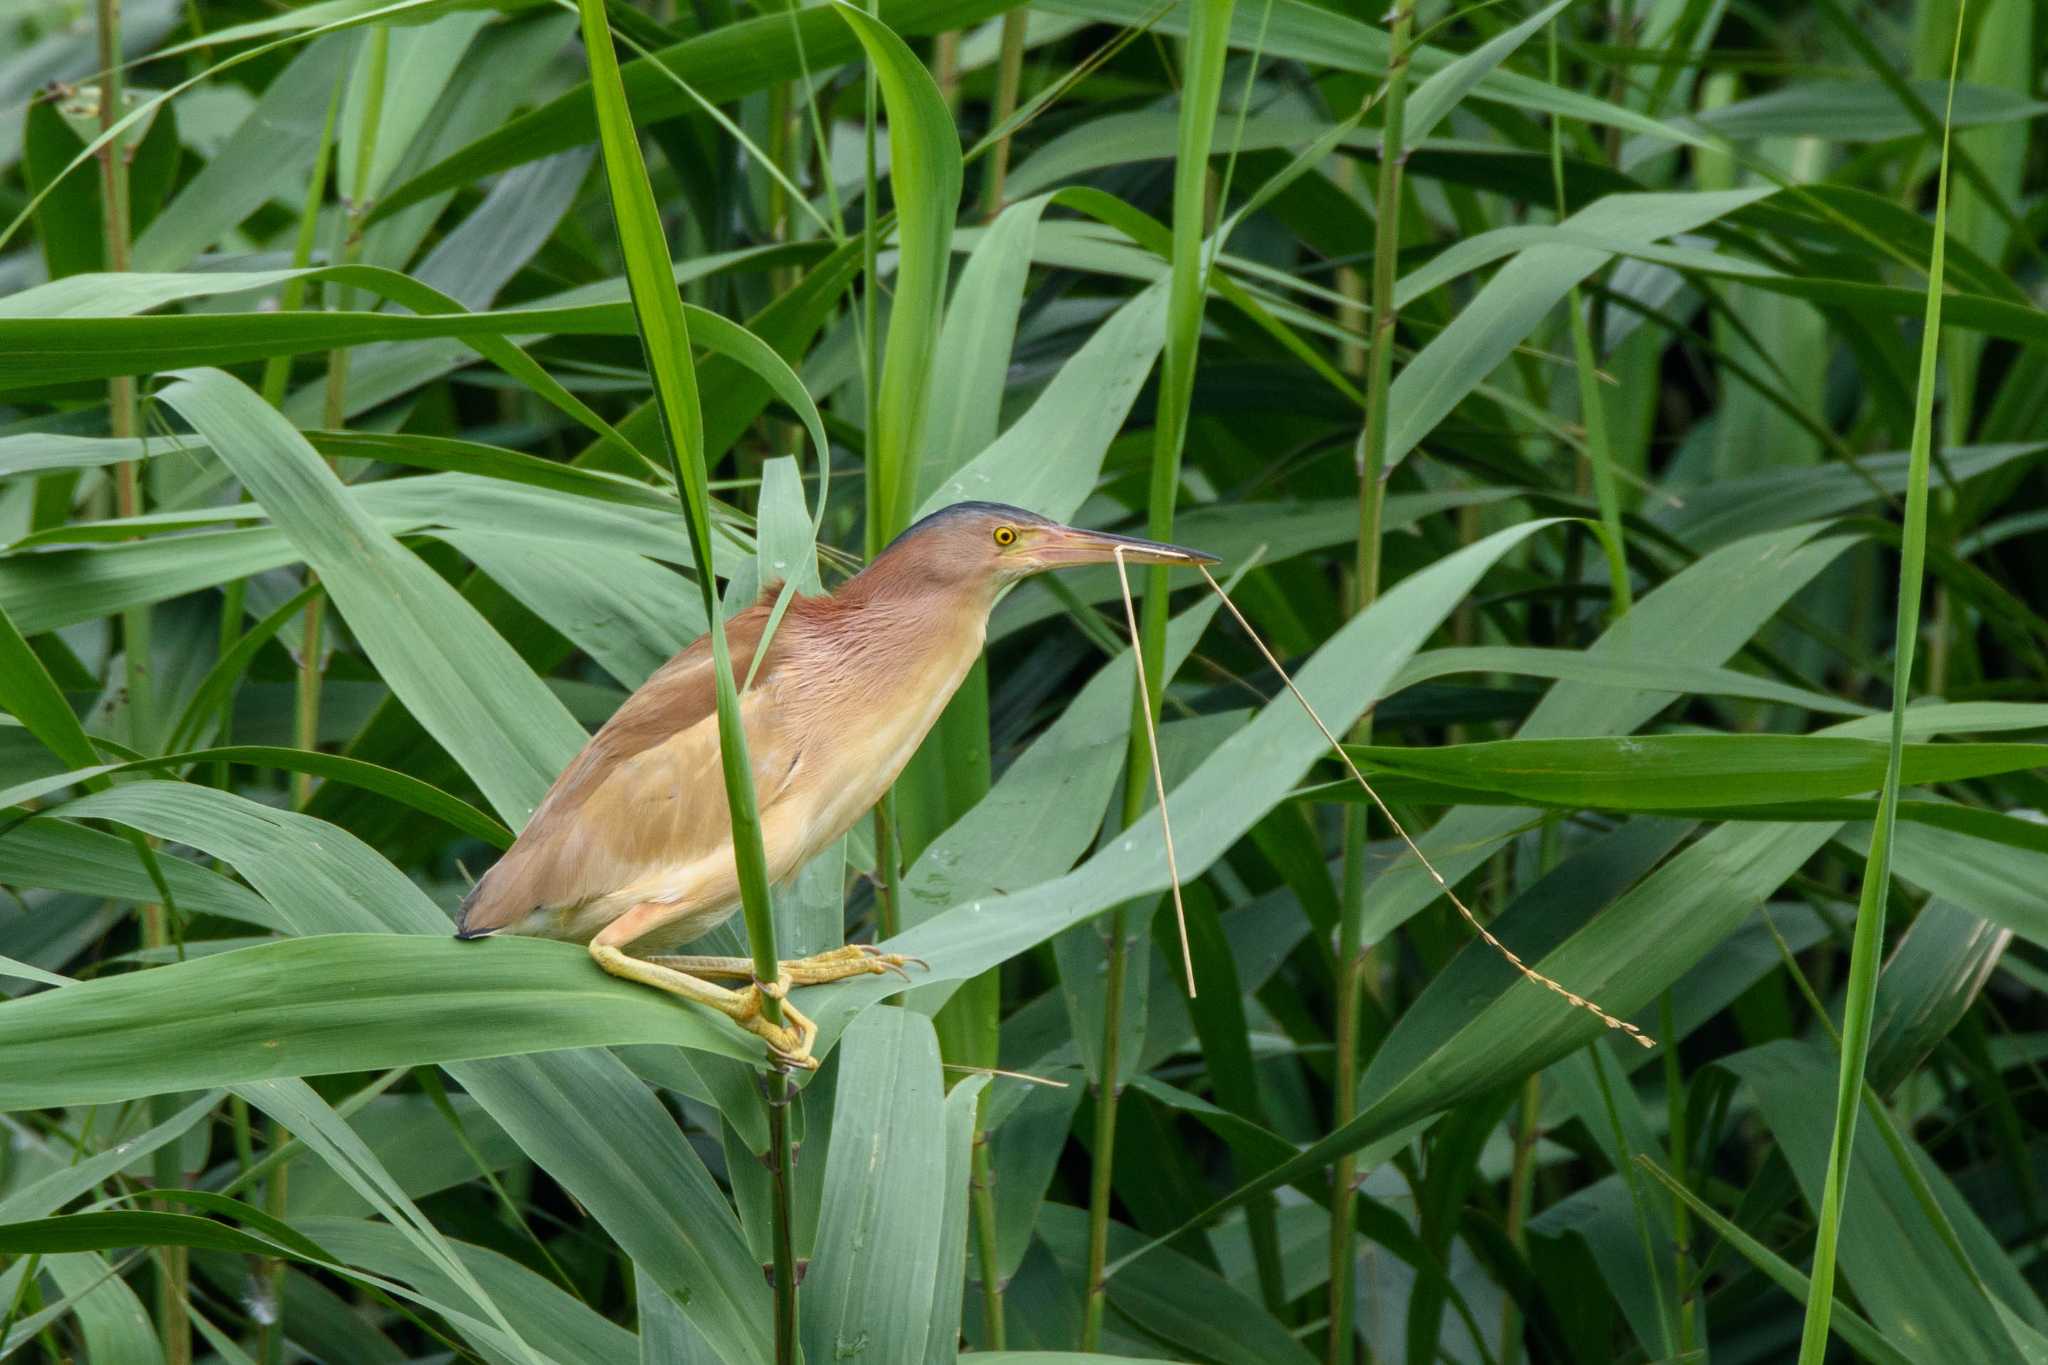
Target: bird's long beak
<point>1059,547</point>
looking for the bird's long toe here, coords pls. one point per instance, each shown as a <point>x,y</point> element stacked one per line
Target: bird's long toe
<point>855,959</point>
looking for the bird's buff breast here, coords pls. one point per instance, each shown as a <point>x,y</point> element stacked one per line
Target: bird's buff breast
<point>845,771</point>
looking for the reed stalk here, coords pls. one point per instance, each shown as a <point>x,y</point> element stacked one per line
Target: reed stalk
<point>665,343</point>
<point>1867,948</point>
<point>1009,74</point>
<point>1201,93</point>
<point>1354,961</point>
<point>174,1328</point>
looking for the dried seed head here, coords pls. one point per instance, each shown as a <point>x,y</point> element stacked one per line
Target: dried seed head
<point>1524,968</point>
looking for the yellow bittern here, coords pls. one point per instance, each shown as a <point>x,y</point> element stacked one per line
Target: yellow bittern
<point>631,850</point>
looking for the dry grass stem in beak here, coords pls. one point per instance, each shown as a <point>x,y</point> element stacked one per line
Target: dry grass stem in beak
<point>1180,913</point>
<point>1524,968</point>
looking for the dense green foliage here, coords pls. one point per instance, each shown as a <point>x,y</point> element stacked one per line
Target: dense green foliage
<point>1578,461</point>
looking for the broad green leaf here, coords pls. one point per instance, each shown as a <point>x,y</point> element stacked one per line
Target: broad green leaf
<point>593,1126</point>
<point>1867,949</point>
<point>111,1318</point>
<point>1433,99</point>
<point>721,65</point>
<point>31,696</point>
<point>1705,613</point>
<point>942,1337</point>
<point>1049,458</point>
<point>1638,673</point>
<point>1685,772</point>
<point>623,610</point>
<point>1993,880</point>
<point>1305,32</point>
<point>1728,509</point>
<point>454,673</point>
<point>1522,293</point>
<point>43,1197</point>
<point>558,1326</point>
<point>1933,977</point>
<point>326,1003</point>
<point>413,1139</point>
<point>68,220</point>
<point>1907,1283</point>
<point>406,790</point>
<point>1177,1298</point>
<point>870,1286</point>
<point>665,1334</point>
<point>274,146</point>
<point>924,171</point>
<point>972,366</point>
<point>1853,1326</point>
<point>1861,111</point>
<point>60,856</point>
<point>1480,1024</point>
<point>315,1123</point>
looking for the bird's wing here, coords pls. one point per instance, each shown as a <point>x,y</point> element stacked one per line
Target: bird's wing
<point>647,791</point>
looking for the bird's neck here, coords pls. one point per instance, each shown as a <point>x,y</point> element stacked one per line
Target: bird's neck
<point>895,585</point>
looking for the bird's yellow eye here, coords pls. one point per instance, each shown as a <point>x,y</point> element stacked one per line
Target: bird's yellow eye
<point>1006,535</point>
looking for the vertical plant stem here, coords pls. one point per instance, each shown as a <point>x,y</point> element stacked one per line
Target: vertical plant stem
<point>782,1159</point>
<point>1009,73</point>
<point>1681,1213</point>
<point>334,410</point>
<point>1102,1151</point>
<point>1521,1181</point>
<point>356,208</point>
<point>870,334</point>
<point>993,1326</point>
<point>1867,948</point>
<point>276,1191</point>
<point>1354,964</point>
<point>306,701</point>
<point>946,68</point>
<point>1187,288</point>
<point>781,127</point>
<point>1351,315</point>
<point>174,1328</point>
<point>888,864</point>
<point>1627,1168</point>
<point>1592,407</point>
<point>113,159</point>
<point>665,346</point>
<point>278,369</point>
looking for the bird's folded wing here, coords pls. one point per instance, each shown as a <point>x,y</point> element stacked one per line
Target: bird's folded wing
<point>646,792</point>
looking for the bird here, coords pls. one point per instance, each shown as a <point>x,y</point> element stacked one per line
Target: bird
<point>630,853</point>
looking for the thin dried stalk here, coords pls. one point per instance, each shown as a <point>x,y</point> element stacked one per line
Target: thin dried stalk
<point>965,1069</point>
<point>1524,968</point>
<point>1180,914</point>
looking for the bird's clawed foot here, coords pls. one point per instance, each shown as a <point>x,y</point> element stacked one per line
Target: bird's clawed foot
<point>855,959</point>
<point>789,1043</point>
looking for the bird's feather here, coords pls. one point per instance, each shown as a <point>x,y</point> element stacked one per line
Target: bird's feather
<point>638,823</point>
<point>647,790</point>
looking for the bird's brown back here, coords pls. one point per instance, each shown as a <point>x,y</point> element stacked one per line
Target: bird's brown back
<point>543,867</point>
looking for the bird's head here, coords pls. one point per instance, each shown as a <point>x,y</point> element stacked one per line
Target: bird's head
<point>994,544</point>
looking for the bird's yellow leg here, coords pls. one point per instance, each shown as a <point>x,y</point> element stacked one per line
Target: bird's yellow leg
<point>855,959</point>
<point>790,1041</point>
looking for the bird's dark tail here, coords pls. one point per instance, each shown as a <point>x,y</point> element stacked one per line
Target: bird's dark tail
<point>462,927</point>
